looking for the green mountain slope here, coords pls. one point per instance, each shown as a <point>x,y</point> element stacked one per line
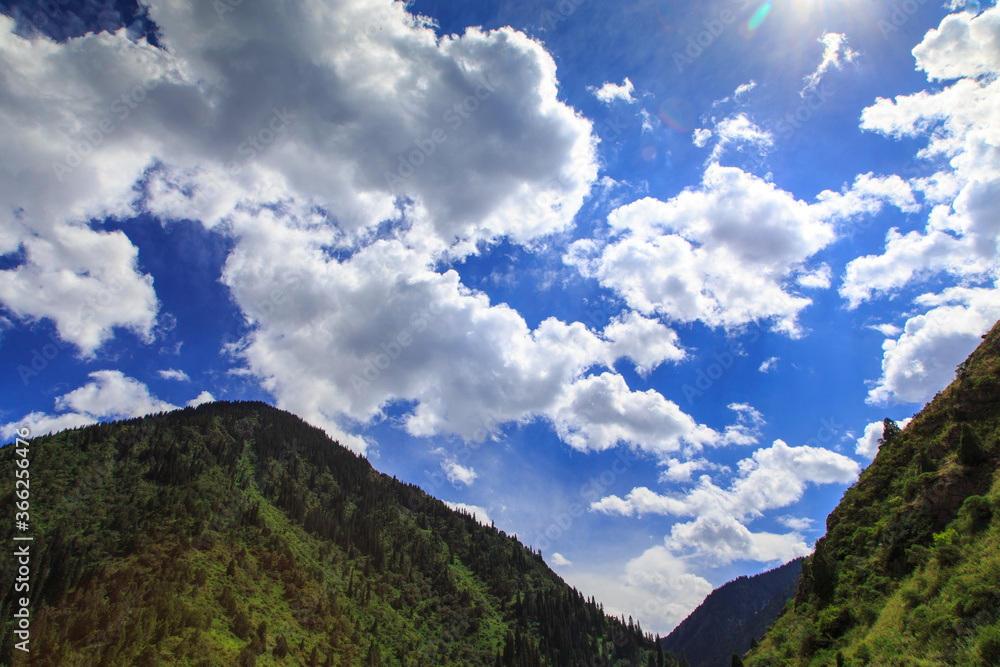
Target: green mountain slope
<point>732,615</point>
<point>909,570</point>
<point>236,534</point>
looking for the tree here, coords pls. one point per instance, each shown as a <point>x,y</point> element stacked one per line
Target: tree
<point>737,661</point>
<point>280,647</point>
<point>684,660</point>
<point>890,432</point>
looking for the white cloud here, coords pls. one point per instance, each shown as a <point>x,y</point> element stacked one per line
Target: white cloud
<point>383,326</point>
<point>610,92</point>
<point>701,136</point>
<point>746,430</point>
<point>478,513</point>
<point>817,279</point>
<point>867,445</point>
<point>740,131</point>
<point>798,524</point>
<point>645,341</point>
<point>560,561</point>
<point>723,539</point>
<point>835,53</point>
<point>203,397</point>
<point>457,473</point>
<point>768,364</point>
<point>109,396</point>
<point>745,88</point>
<point>731,251</point>
<point>656,587</point>
<point>174,374</point>
<point>600,412</point>
<point>962,46</point>
<point>772,478</point>
<point>922,360</point>
<point>682,471</point>
<point>720,254</point>
<point>963,228</point>
<point>417,135</point>
<point>886,329</point>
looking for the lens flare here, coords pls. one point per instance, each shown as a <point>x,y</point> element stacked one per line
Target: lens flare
<point>759,16</point>
<point>677,114</point>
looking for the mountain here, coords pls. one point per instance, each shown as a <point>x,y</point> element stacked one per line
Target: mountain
<point>908,572</point>
<point>732,615</point>
<point>236,534</point>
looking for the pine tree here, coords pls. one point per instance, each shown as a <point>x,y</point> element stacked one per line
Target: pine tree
<point>737,661</point>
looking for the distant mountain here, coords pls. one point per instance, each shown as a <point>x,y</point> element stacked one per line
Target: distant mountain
<point>732,615</point>
<point>909,570</point>
<point>236,534</point>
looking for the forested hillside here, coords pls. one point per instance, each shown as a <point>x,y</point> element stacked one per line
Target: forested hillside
<point>909,570</point>
<point>733,616</point>
<point>236,534</point>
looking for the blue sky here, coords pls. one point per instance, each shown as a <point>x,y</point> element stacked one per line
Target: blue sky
<point>638,282</point>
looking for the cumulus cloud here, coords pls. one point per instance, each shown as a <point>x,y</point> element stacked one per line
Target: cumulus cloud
<point>771,478</point>
<point>610,92</point>
<point>109,395</point>
<point>418,134</point>
<point>657,587</point>
<point>867,445</point>
<point>922,360</point>
<point>962,230</point>
<point>402,331</point>
<point>723,539</point>
<point>457,473</point>
<point>560,561</point>
<point>478,513</point>
<point>174,374</point>
<point>726,253</point>
<point>600,411</point>
<point>203,397</point>
<point>739,131</point>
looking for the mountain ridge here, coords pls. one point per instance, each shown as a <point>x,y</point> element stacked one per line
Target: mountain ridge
<point>908,572</point>
<point>235,533</point>
<point>733,615</point>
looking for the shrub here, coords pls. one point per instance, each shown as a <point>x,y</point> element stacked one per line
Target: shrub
<point>976,513</point>
<point>834,621</point>
<point>989,645</point>
<point>970,450</point>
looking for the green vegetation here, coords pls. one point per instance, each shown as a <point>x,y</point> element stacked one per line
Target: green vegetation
<point>909,570</point>
<point>235,534</point>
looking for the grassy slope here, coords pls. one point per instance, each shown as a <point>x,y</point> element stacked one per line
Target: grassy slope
<point>182,539</point>
<point>909,570</point>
